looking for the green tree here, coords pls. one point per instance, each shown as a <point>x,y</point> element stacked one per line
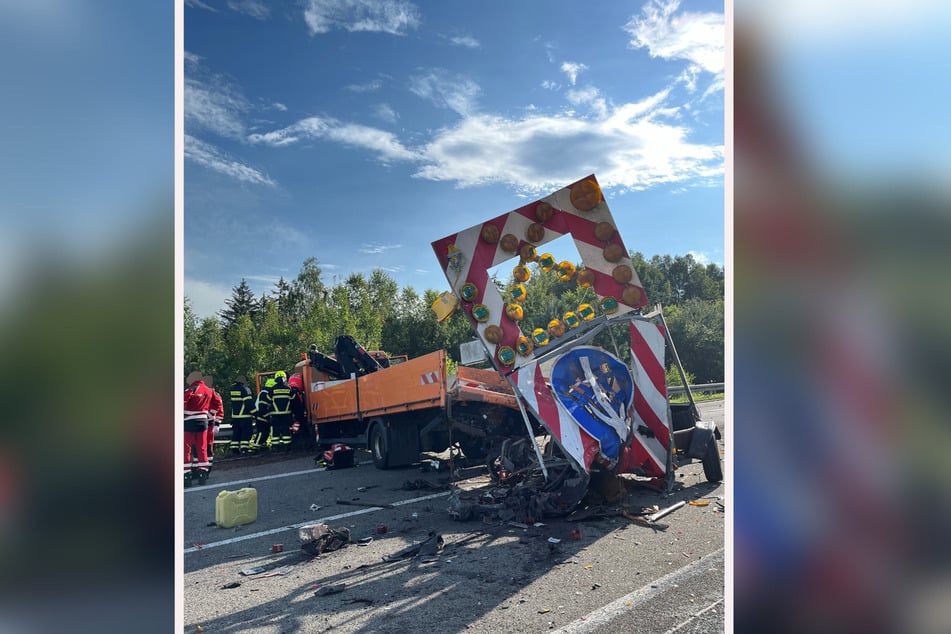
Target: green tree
<point>241,302</point>
<point>696,328</point>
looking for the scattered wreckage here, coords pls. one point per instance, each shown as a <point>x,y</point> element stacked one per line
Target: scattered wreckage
<point>596,414</point>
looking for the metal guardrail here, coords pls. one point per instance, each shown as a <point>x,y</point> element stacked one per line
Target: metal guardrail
<point>704,387</point>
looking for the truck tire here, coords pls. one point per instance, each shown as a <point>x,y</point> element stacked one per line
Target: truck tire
<point>381,459</point>
<point>712,468</point>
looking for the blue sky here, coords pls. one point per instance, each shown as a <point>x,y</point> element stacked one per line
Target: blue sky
<point>359,131</point>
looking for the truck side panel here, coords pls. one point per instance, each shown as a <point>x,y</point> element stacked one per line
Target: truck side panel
<point>416,384</point>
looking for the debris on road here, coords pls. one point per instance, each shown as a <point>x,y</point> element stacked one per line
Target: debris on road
<point>277,572</point>
<point>334,589</point>
<point>320,538</point>
<point>247,572</point>
<point>233,584</point>
<point>670,509</point>
<point>640,521</point>
<point>314,507</point>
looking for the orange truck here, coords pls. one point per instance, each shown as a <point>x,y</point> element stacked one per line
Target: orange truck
<point>409,407</point>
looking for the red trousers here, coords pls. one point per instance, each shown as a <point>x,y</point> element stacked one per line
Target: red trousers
<point>198,440</point>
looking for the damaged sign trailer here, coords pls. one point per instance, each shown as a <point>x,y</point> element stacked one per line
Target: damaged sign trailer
<point>600,414</point>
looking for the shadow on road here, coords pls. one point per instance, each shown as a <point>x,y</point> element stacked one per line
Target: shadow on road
<point>481,568</point>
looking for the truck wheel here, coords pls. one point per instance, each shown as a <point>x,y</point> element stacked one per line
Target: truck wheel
<point>712,468</point>
<point>378,447</point>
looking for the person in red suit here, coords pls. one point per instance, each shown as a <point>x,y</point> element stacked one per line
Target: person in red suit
<point>198,397</point>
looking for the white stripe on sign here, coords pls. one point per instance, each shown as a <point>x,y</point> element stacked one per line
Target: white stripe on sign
<point>429,378</point>
<point>324,520</point>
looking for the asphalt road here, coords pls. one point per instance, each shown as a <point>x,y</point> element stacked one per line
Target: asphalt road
<point>618,576</point>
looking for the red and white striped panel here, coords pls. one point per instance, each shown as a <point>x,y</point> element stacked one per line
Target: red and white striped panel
<point>575,441</point>
<point>476,257</point>
<point>429,378</point>
<point>650,397</point>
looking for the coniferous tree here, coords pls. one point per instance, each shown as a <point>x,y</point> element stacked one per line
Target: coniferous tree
<point>241,302</point>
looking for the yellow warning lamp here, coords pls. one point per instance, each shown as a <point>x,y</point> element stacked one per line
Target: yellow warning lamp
<point>524,345</point>
<point>540,336</point>
<point>528,253</point>
<point>468,292</point>
<point>517,293</point>
<point>571,320</point>
<point>455,257</point>
<point>480,312</point>
<point>586,312</point>
<point>556,328</point>
<point>566,270</point>
<point>506,355</point>
<point>444,306</point>
<point>585,278</point>
<point>609,305</point>
<point>547,262</point>
<point>514,312</point>
<point>521,273</point>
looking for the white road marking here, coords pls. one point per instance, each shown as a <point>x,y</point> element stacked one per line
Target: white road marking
<point>371,509</point>
<point>605,614</point>
<point>690,620</point>
<point>262,478</point>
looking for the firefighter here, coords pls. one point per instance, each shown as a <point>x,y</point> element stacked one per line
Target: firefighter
<point>198,397</point>
<point>261,441</point>
<point>280,416</point>
<point>242,419</point>
<point>216,415</point>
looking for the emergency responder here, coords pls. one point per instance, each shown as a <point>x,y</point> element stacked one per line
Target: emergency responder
<point>261,441</point>
<point>280,417</point>
<point>302,430</point>
<point>198,398</point>
<point>242,420</point>
<point>216,415</point>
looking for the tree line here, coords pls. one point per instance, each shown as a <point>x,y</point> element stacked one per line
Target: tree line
<point>270,332</point>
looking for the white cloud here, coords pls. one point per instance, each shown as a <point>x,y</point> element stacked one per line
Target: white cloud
<point>456,93</point>
<point>254,8</point>
<point>386,16</point>
<point>630,146</point>
<point>591,97</point>
<point>550,85</point>
<point>375,247</point>
<point>211,103</point>
<point>383,143</point>
<point>370,86</point>
<point>277,105</point>
<point>699,38</point>
<point>572,69</point>
<point>700,258</point>
<point>213,158</point>
<point>198,4</point>
<point>385,112</point>
<point>206,298</point>
<point>465,40</point>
